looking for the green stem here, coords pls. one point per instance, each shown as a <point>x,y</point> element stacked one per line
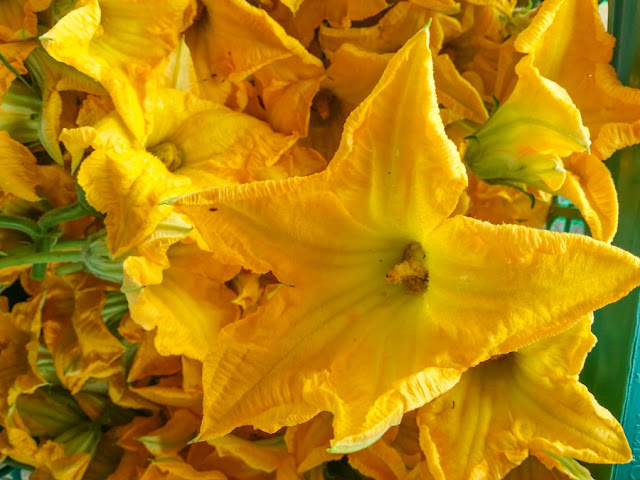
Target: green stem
<point>43,245</point>
<point>69,245</point>
<point>69,268</point>
<point>21,224</point>
<point>40,257</point>
<point>62,214</point>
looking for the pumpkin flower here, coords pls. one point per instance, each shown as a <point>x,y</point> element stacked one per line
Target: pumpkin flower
<point>194,144</point>
<point>610,110</point>
<point>232,40</point>
<point>525,139</point>
<point>389,299</point>
<point>179,289</point>
<point>580,64</point>
<point>123,46</point>
<point>526,402</point>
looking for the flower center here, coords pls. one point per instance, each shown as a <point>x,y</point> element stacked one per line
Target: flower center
<point>169,154</point>
<point>412,271</point>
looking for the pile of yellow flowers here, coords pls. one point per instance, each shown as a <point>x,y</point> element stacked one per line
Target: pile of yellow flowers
<point>304,239</point>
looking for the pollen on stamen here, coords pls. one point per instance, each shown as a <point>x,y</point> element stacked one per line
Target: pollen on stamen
<point>412,271</point>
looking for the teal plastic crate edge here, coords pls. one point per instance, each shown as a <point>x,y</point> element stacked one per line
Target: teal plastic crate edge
<point>631,411</point>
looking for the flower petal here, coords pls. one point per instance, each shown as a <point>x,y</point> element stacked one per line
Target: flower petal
<point>571,47</point>
<point>529,400</point>
<point>20,175</point>
<point>233,40</point>
<point>590,187</point>
<point>574,275</point>
<point>121,45</point>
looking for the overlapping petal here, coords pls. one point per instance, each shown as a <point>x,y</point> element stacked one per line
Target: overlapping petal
<point>179,289</point>
<point>397,26</point>
<point>529,401</point>
<point>571,47</point>
<point>20,173</point>
<point>123,45</point>
<point>233,40</point>
<point>590,187</point>
<point>14,53</point>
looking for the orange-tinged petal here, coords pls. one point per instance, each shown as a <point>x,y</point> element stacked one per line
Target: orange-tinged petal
<point>354,73</point>
<point>579,62</point>
<point>309,441</point>
<point>169,391</point>
<point>351,77</point>
<point>148,362</point>
<point>173,436</point>
<point>590,187</point>
<point>527,401</point>
<point>233,40</point>
<point>499,204</point>
<point>397,26</point>
<point>170,469</point>
<point>455,92</point>
<point>122,45</point>
<point>303,22</point>
<point>263,455</point>
<point>380,461</point>
<point>17,21</point>
<point>20,339</point>
<point>15,53</point>
<point>20,175</point>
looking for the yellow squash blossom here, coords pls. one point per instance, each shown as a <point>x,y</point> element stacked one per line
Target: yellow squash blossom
<point>570,46</point>
<point>351,77</point>
<point>179,289</point>
<point>372,324</point>
<point>525,139</point>
<point>301,18</point>
<point>233,40</point>
<point>396,27</point>
<point>194,144</point>
<point>73,329</point>
<point>527,402</point>
<point>123,45</point>
<point>19,343</point>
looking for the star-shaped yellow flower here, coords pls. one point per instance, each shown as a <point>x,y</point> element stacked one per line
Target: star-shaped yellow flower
<point>389,298</point>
